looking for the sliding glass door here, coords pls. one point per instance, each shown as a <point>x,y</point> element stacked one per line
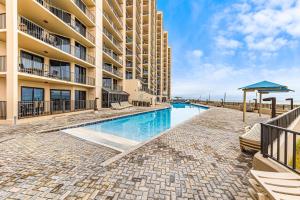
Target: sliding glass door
<point>60,100</point>
<point>80,100</point>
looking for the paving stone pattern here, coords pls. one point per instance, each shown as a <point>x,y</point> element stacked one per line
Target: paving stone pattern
<point>199,159</point>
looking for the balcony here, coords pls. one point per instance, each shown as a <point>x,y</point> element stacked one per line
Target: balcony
<point>113,41</point>
<point>116,88</point>
<point>53,75</point>
<point>129,52</point>
<point>27,109</point>
<point>109,5</point>
<point>112,25</point>
<point>110,69</point>
<point>2,63</point>
<point>61,14</point>
<point>51,39</point>
<point>85,10</point>
<point>129,39</point>
<point>129,64</point>
<point>112,55</point>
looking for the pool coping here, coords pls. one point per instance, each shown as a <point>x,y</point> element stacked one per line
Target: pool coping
<point>122,154</point>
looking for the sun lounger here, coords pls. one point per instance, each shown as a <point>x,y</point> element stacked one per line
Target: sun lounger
<point>274,185</point>
<point>116,106</point>
<point>125,104</point>
<point>251,139</point>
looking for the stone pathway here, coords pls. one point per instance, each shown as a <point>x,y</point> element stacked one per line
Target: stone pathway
<point>199,159</point>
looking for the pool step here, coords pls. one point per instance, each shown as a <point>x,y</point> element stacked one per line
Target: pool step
<point>118,143</point>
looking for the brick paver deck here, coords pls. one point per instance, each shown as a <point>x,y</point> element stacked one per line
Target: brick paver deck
<point>199,159</point>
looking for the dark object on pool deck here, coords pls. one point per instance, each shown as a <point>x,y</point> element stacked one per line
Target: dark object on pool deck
<point>273,100</point>
<point>141,103</point>
<point>292,102</point>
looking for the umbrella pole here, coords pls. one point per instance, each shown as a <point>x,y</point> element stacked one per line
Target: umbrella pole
<point>260,99</point>
<point>244,107</point>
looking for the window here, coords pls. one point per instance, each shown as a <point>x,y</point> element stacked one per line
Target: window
<point>81,5</point>
<point>60,100</point>
<point>31,62</point>
<point>60,70</point>
<point>32,94</point>
<point>107,83</point>
<point>66,17</point>
<point>80,74</point>
<point>80,51</point>
<point>128,75</point>
<point>80,27</point>
<point>80,99</point>
<point>62,43</point>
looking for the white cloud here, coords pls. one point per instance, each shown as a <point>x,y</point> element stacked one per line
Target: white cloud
<point>264,25</point>
<point>227,43</point>
<point>195,54</point>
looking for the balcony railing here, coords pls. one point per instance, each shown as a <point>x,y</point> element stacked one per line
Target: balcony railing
<point>110,69</point>
<point>28,109</point>
<point>84,9</point>
<point>106,16</point>
<point>42,34</point>
<point>129,64</point>
<point>112,54</point>
<point>2,63</point>
<point>69,21</point>
<point>112,39</point>
<point>2,110</point>
<point>129,52</point>
<point>113,10</point>
<point>280,143</point>
<point>110,87</point>
<point>53,74</point>
<point>2,21</point>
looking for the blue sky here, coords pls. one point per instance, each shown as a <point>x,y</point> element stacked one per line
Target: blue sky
<point>221,45</point>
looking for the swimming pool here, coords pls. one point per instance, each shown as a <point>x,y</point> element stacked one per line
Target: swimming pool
<point>144,126</point>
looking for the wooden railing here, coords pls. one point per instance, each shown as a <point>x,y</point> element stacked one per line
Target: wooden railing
<point>280,143</point>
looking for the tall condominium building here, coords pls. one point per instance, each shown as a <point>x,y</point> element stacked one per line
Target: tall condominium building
<point>62,56</point>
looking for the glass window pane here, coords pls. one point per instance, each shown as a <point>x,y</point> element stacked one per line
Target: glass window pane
<point>27,94</point>
<point>38,94</point>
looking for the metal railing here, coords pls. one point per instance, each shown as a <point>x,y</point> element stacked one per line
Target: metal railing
<point>28,109</point>
<point>112,54</point>
<point>3,110</point>
<point>69,21</point>
<point>2,63</point>
<point>116,88</point>
<point>45,71</point>
<point>279,143</point>
<point>85,10</point>
<point>112,39</point>
<point>113,10</point>
<point>3,21</point>
<point>42,34</point>
<point>110,69</point>
<point>106,16</point>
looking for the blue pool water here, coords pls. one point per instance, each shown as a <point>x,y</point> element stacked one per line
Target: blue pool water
<point>145,126</point>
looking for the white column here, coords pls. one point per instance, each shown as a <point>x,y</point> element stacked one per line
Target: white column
<point>98,52</point>
<point>12,60</point>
